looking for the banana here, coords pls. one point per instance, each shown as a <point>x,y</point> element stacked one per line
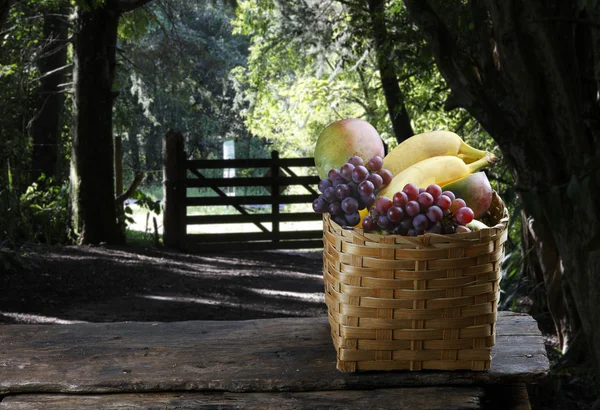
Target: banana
<point>430,144</point>
<point>439,170</point>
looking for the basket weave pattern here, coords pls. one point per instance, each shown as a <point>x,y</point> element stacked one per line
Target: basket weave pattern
<point>413,303</point>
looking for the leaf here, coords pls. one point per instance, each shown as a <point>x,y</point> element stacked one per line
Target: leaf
<point>128,210</point>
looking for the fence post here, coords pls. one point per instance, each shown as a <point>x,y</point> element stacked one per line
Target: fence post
<point>275,195</point>
<point>174,191</point>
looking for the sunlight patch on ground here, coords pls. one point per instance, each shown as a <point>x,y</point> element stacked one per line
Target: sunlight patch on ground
<point>32,319</point>
<point>239,305</point>
<point>307,297</point>
<point>204,301</point>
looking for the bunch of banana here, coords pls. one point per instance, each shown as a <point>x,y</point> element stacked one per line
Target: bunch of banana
<point>437,157</point>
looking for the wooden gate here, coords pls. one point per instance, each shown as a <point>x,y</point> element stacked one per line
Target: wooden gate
<point>269,231</point>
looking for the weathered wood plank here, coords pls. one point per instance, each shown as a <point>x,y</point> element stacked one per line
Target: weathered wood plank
<point>290,354</point>
<point>446,398</point>
<point>506,396</point>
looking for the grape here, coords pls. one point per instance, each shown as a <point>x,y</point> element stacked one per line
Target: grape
<point>434,190</point>
<point>462,229</point>
<point>450,195</point>
<point>335,208</point>
<point>421,190</point>
<point>420,222</point>
<point>395,214</point>
<point>342,191</point>
<point>376,180</point>
<point>333,174</point>
<point>383,204</point>
<point>359,174</point>
<point>398,230</point>
<point>346,171</point>
<point>356,160</point>
<point>436,228</point>
<point>350,205</point>
<point>353,188</point>
<point>375,163</point>
<point>320,205</point>
<point>324,184</point>
<point>339,180</point>
<point>386,175</point>
<point>456,205</point>
<point>443,201</point>
<point>400,199</point>
<point>411,191</point>
<point>366,188</point>
<point>435,213</point>
<point>413,232</point>
<point>352,218</point>
<point>339,219</point>
<point>449,228</point>
<point>425,200</point>
<point>369,224</point>
<point>412,208</point>
<point>329,194</point>
<point>407,223</point>
<point>383,221</point>
<point>368,200</point>
<point>464,215</point>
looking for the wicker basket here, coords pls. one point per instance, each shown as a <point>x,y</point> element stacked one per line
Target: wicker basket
<point>414,303</point>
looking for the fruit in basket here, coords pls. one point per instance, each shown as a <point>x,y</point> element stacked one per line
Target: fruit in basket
<point>476,225</point>
<point>347,193</point>
<point>439,170</point>
<point>343,139</point>
<point>430,144</point>
<point>415,211</point>
<point>475,190</point>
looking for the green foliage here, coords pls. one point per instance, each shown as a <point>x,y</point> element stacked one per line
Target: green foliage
<point>44,212</point>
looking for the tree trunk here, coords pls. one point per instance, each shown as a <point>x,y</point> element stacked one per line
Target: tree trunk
<point>92,170</point>
<point>532,82</point>
<point>4,9</point>
<point>46,126</point>
<point>389,81</point>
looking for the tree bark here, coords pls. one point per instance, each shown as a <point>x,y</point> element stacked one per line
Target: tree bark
<point>4,9</point>
<point>46,126</point>
<point>530,81</point>
<point>391,89</point>
<point>93,170</point>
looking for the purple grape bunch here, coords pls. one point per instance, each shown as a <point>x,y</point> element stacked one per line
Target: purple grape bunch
<point>351,188</point>
<point>415,211</point>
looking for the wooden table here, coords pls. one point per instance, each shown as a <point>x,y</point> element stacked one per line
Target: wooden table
<point>268,363</point>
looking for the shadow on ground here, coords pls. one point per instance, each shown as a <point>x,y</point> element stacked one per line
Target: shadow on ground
<point>108,284</point>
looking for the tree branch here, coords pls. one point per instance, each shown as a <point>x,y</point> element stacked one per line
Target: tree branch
<point>128,5</point>
<point>457,67</point>
<point>138,179</point>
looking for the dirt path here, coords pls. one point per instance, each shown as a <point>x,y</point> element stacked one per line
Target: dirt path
<point>106,284</point>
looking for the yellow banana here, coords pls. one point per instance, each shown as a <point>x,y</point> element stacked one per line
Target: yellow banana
<point>430,144</point>
<point>439,170</point>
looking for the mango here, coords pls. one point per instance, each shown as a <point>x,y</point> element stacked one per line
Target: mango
<point>343,139</point>
<point>475,190</point>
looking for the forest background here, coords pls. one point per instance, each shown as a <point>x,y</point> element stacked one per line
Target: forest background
<point>270,75</point>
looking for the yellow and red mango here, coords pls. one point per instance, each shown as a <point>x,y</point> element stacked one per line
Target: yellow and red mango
<point>475,190</point>
<point>343,139</point>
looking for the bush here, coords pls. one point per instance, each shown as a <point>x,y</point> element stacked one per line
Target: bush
<point>44,212</point>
